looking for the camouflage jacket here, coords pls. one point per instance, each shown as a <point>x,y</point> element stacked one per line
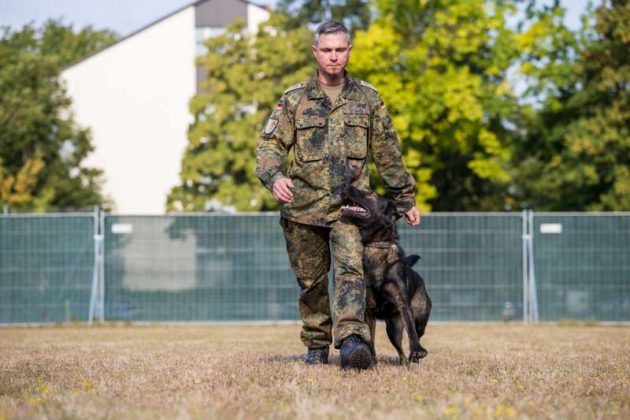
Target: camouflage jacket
<point>329,145</point>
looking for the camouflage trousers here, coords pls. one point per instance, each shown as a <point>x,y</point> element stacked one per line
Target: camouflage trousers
<point>309,249</point>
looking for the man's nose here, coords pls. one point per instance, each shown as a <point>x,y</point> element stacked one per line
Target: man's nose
<point>333,56</point>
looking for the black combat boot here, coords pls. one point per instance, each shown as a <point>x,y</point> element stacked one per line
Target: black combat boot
<point>317,356</point>
<point>355,354</point>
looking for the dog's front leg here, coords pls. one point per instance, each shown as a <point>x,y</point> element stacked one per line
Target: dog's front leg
<point>421,307</point>
<point>394,328</point>
<point>401,304</point>
<point>371,321</point>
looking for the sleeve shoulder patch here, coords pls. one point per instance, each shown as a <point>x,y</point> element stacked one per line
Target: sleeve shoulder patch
<point>270,127</point>
<point>367,85</point>
<point>294,87</point>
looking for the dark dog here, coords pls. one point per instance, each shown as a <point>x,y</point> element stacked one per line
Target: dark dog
<point>395,292</point>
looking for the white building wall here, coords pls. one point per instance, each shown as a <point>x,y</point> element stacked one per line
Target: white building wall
<point>255,16</point>
<point>134,97</point>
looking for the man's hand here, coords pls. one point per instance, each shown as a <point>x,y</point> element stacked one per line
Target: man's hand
<point>282,190</point>
<point>412,216</point>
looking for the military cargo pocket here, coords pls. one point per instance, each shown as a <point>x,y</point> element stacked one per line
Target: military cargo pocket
<point>356,135</point>
<point>310,137</point>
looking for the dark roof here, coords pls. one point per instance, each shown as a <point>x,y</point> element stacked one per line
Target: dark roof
<point>147,26</point>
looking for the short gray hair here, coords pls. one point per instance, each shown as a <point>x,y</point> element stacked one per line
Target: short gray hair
<point>330,27</point>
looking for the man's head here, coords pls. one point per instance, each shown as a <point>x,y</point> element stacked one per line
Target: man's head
<point>332,49</point>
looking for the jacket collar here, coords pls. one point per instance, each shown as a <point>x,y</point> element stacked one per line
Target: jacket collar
<point>350,88</point>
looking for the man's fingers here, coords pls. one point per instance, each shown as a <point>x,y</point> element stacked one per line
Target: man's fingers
<point>413,216</point>
<point>282,196</point>
<point>285,191</point>
<point>282,190</point>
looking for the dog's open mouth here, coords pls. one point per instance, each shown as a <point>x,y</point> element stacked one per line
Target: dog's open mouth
<point>355,211</point>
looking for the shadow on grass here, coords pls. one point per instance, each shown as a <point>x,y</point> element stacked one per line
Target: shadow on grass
<point>283,358</point>
<point>332,359</point>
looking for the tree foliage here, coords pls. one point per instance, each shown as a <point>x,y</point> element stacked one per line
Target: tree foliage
<point>441,67</point>
<point>448,71</point>
<point>41,148</point>
<point>575,154</point>
<point>356,14</point>
<point>246,76</point>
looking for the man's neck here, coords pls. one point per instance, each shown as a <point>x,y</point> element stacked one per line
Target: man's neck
<point>330,80</point>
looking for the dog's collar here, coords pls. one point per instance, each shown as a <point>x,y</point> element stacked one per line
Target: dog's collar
<point>382,245</point>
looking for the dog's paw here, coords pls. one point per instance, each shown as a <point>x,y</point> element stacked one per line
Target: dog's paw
<point>415,356</point>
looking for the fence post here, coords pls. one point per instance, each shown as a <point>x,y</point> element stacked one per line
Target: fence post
<point>101,314</point>
<point>95,270</point>
<point>5,210</point>
<point>525,277</point>
<point>532,292</point>
<point>96,295</point>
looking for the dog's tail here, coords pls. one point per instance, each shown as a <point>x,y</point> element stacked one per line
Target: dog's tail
<point>411,260</point>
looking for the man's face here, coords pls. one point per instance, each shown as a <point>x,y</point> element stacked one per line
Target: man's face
<point>332,53</point>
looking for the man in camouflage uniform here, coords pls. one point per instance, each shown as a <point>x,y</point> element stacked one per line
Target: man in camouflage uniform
<point>330,123</point>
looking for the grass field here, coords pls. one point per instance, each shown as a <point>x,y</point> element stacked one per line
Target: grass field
<point>477,371</point>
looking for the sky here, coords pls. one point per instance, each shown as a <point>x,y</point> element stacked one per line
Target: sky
<point>126,16</point>
<point>121,16</point>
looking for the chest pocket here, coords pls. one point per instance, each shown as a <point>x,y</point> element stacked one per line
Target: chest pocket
<point>310,136</point>
<point>356,128</point>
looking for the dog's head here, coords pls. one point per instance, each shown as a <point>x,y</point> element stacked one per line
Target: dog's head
<point>375,215</point>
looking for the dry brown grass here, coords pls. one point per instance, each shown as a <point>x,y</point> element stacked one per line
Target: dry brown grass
<point>478,371</point>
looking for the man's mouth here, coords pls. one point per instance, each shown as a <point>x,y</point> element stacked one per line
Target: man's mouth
<point>355,210</point>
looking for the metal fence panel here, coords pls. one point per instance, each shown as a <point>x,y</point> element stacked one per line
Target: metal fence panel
<point>197,268</point>
<point>231,268</point>
<point>200,267</point>
<point>582,266</point>
<point>46,265</point>
<point>472,264</point>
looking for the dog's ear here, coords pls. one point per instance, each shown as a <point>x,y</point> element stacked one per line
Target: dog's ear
<point>389,208</point>
<point>412,259</point>
<point>402,207</point>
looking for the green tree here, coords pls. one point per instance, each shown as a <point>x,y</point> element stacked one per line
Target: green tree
<point>441,67</point>
<point>246,75</point>
<point>356,14</point>
<point>575,154</point>
<point>41,148</point>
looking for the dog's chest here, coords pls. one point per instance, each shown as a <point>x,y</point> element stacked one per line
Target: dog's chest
<point>378,263</point>
<point>380,266</point>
